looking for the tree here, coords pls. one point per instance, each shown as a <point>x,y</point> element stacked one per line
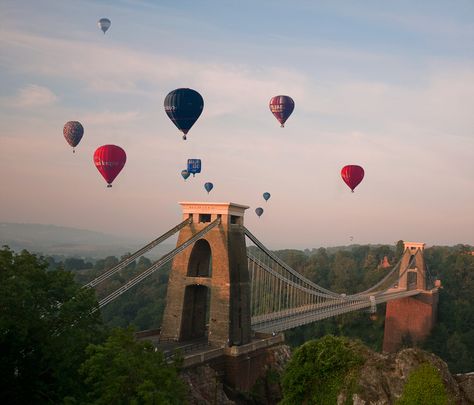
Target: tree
<point>124,371</point>
<point>318,370</point>
<point>46,322</point>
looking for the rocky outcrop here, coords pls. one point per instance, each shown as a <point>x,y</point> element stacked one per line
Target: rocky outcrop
<point>466,385</point>
<point>382,377</point>
<point>205,386</point>
<point>380,380</point>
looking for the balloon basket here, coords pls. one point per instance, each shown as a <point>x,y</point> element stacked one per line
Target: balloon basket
<point>109,185</point>
<point>184,137</point>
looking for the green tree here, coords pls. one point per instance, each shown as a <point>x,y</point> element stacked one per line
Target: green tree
<point>424,386</point>
<point>46,322</point>
<point>124,371</point>
<point>318,370</point>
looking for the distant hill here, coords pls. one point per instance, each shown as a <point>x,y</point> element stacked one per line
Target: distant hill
<point>63,241</point>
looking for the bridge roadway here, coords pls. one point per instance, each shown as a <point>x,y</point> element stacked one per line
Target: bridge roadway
<point>293,317</point>
<point>199,350</point>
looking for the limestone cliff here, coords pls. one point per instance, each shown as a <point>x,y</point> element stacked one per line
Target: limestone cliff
<point>380,380</point>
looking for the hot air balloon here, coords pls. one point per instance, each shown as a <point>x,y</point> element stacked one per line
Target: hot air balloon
<point>282,107</point>
<point>185,174</point>
<point>266,196</point>
<point>208,186</point>
<point>194,166</point>
<point>109,160</point>
<point>73,131</point>
<point>104,24</point>
<point>259,211</point>
<point>352,175</point>
<point>184,106</point>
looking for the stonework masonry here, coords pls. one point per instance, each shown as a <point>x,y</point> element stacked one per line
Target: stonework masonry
<point>209,285</point>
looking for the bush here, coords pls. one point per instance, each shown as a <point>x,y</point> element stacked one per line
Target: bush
<point>318,371</point>
<point>424,386</point>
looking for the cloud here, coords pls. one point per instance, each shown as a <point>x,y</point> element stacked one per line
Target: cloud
<point>33,95</point>
<point>113,68</point>
<point>109,117</point>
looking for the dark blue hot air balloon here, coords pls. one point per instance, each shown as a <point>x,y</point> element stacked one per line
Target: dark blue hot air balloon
<point>266,196</point>
<point>208,186</point>
<point>104,24</point>
<point>184,106</point>
<point>185,174</point>
<point>73,131</point>
<point>194,166</point>
<point>259,211</point>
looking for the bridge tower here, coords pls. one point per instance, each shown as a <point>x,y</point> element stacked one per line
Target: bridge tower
<point>411,318</point>
<point>209,285</point>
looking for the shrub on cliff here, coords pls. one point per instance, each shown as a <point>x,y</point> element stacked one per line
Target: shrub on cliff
<point>424,386</point>
<point>319,369</point>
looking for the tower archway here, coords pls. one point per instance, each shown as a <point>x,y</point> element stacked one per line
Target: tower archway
<point>200,260</point>
<point>195,312</point>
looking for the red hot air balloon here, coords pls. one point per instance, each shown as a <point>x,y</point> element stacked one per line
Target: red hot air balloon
<point>352,175</point>
<point>282,107</point>
<point>109,160</point>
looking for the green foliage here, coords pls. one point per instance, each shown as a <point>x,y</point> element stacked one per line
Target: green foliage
<point>46,322</point>
<point>424,386</point>
<point>453,335</point>
<point>123,371</point>
<point>318,369</point>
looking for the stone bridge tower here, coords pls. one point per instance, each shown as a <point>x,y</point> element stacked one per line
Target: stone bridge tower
<point>411,319</point>
<point>209,286</point>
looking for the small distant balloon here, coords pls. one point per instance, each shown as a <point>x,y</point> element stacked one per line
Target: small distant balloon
<point>104,24</point>
<point>259,211</point>
<point>208,186</point>
<point>185,174</point>
<point>282,107</point>
<point>351,238</point>
<point>109,160</point>
<point>73,131</point>
<point>194,166</point>
<point>183,107</point>
<point>352,175</point>
<point>266,196</point>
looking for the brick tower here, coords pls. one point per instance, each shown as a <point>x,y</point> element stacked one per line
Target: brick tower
<point>411,318</point>
<point>209,286</point>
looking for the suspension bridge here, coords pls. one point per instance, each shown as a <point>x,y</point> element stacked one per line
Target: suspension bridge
<point>225,286</point>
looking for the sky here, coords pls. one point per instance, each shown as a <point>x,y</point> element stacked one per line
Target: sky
<point>382,84</point>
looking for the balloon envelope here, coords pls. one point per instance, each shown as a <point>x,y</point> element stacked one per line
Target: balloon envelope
<point>194,166</point>
<point>282,107</point>
<point>266,196</point>
<point>352,175</point>
<point>109,160</point>
<point>73,131</point>
<point>104,24</point>
<point>185,174</point>
<point>183,107</point>
<point>259,211</point>
<point>208,186</point>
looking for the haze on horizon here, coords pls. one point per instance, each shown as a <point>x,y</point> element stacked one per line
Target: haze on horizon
<point>388,86</point>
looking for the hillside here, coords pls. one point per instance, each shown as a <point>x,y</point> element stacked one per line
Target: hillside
<point>64,241</point>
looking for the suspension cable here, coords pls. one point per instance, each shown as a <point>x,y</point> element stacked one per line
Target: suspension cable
<point>125,262</point>
<point>159,263</point>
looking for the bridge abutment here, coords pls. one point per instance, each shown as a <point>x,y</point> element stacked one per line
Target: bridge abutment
<point>410,318</point>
